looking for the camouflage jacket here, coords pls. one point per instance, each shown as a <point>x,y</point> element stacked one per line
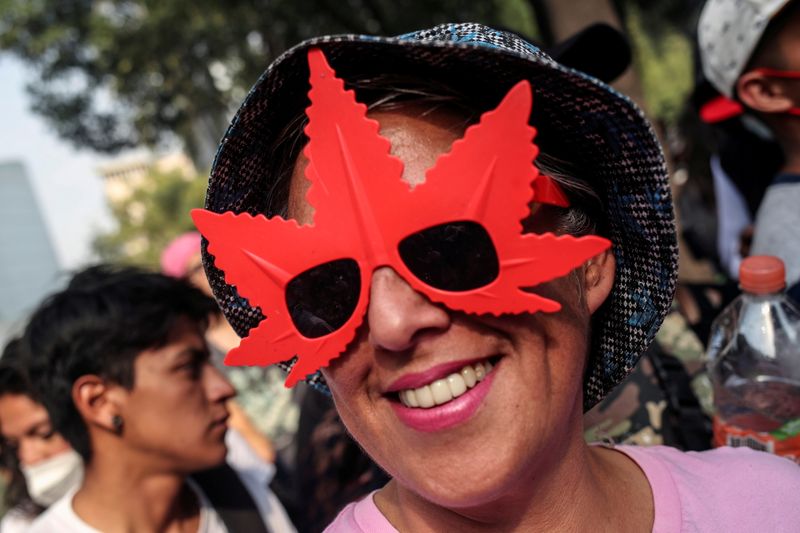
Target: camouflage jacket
<point>665,400</point>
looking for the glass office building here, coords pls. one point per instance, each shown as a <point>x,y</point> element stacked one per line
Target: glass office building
<point>28,265</point>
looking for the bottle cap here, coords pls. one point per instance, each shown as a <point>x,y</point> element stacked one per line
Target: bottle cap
<point>762,274</point>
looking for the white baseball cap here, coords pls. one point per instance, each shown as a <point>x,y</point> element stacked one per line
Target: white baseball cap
<point>728,33</point>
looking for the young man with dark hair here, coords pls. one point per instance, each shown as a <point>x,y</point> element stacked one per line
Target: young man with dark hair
<point>119,360</point>
<point>751,53</point>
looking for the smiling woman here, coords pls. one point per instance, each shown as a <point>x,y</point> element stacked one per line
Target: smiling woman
<point>496,292</point>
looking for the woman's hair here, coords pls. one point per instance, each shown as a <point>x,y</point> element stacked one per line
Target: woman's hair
<point>586,214</point>
<point>99,325</point>
<point>14,380</point>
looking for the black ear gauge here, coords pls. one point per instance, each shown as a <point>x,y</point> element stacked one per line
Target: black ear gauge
<point>117,423</point>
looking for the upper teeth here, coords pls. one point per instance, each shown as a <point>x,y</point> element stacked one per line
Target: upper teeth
<point>443,390</point>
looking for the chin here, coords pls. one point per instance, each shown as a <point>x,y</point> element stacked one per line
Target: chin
<point>482,482</point>
<point>455,495</point>
<point>219,457</point>
<point>210,457</point>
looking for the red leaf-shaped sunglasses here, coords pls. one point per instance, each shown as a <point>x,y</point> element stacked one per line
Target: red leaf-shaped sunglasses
<point>456,238</point>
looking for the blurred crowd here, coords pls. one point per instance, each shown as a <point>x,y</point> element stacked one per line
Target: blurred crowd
<point>116,403</point>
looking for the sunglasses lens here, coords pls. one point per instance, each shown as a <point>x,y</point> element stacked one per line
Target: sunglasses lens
<point>322,299</point>
<point>455,257</point>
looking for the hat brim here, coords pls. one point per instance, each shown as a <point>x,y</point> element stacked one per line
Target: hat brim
<point>598,50</point>
<point>597,125</point>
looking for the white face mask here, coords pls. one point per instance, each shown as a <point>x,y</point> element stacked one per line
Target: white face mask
<point>49,480</point>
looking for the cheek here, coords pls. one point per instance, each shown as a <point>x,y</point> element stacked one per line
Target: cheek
<point>55,445</point>
<point>562,337</point>
<point>570,333</point>
<point>341,379</point>
<point>555,344</point>
<point>347,404</point>
<point>347,378</point>
<point>347,374</point>
<point>146,406</point>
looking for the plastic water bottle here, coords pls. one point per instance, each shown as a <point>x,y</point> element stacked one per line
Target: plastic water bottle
<point>754,363</point>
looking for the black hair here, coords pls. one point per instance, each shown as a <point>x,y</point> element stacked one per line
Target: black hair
<point>14,380</point>
<point>98,325</point>
<point>13,377</point>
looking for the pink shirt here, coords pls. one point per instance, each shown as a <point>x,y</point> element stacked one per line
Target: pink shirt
<point>726,489</point>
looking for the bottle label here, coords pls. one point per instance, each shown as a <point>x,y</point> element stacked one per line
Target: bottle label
<point>784,441</point>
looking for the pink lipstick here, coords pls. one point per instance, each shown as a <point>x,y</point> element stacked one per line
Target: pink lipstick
<point>447,415</point>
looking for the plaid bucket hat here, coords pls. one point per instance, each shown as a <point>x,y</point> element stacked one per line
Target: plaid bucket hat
<point>601,127</point>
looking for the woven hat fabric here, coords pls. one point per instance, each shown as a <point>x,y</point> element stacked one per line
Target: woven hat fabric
<point>728,33</point>
<point>603,129</point>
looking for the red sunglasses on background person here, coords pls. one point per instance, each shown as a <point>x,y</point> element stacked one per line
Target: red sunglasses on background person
<point>722,108</point>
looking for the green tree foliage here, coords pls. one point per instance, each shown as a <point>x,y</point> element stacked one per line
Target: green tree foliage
<point>111,74</point>
<point>156,211</point>
<point>664,63</point>
<point>664,16</point>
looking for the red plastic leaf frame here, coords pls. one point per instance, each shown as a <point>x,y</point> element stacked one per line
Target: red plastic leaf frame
<point>363,210</point>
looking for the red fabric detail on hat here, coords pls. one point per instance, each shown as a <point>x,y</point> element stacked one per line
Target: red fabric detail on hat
<point>363,210</point>
<point>719,109</point>
<point>547,191</point>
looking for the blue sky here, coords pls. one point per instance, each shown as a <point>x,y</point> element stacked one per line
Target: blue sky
<point>67,184</point>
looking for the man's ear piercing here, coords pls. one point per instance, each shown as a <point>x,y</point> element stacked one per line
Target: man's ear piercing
<point>116,423</point>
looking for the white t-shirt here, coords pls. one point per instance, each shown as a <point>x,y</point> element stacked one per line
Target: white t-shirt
<point>15,521</point>
<point>62,518</point>
<point>243,458</point>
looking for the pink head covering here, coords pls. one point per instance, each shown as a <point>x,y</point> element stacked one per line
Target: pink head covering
<point>175,257</point>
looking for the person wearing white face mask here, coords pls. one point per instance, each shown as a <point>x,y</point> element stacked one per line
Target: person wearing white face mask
<point>50,479</point>
<point>40,465</point>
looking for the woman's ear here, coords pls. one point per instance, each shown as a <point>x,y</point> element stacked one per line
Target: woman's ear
<point>97,401</point>
<point>762,93</point>
<point>598,279</point>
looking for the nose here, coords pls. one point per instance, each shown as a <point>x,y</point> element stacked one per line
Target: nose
<point>218,388</point>
<point>398,315</point>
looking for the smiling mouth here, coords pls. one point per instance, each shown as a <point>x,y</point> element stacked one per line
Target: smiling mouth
<point>444,390</point>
